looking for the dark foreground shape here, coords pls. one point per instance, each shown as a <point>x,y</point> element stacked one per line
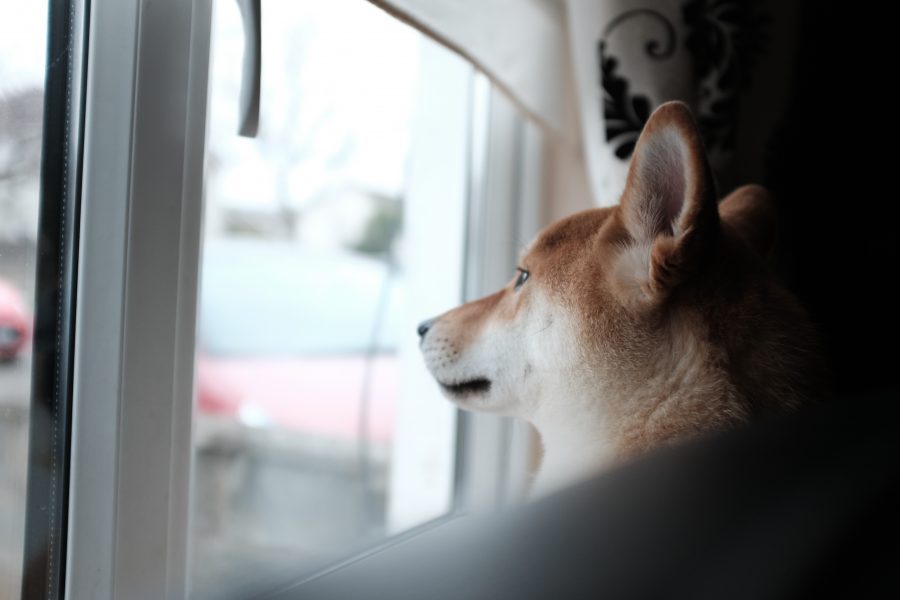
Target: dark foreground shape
<point>803,507</point>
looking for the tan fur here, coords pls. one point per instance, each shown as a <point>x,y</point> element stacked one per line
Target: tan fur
<point>641,324</point>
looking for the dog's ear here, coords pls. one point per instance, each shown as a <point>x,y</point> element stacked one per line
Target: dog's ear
<point>669,202</point>
<point>750,211</point>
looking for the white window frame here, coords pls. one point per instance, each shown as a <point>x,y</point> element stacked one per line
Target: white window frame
<point>138,258</point>
<point>144,146</point>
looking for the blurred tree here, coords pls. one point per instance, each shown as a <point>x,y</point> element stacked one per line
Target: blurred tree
<point>383,227</point>
<point>21,113</point>
<point>20,135</point>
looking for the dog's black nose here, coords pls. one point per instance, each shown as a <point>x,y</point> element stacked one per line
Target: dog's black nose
<point>424,326</point>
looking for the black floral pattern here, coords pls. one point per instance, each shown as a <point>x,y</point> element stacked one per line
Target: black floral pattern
<point>623,113</point>
<point>653,47</point>
<point>725,39</point>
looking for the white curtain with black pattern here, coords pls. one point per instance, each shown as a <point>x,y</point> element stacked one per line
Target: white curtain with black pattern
<point>724,58</point>
<point>615,61</point>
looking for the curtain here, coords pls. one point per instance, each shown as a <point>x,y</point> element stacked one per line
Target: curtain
<point>616,60</point>
<point>729,60</point>
<point>519,44</point>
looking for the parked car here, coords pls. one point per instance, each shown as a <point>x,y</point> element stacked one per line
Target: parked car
<point>15,322</point>
<point>299,341</point>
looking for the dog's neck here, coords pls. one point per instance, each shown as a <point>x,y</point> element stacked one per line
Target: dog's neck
<point>575,447</point>
<point>600,426</point>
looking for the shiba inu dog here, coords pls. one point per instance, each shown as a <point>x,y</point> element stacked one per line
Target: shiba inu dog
<point>635,326</point>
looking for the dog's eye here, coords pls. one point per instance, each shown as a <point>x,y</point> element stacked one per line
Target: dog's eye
<point>523,277</point>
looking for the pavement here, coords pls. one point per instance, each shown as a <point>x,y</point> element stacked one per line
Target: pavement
<point>14,387</point>
<point>264,502</point>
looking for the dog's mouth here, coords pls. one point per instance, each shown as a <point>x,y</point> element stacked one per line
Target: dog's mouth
<point>479,385</point>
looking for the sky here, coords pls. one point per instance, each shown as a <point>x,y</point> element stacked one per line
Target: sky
<point>339,88</point>
<point>339,81</point>
<point>23,41</point>
<point>338,91</point>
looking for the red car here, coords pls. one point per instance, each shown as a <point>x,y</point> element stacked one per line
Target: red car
<point>299,341</point>
<point>15,322</point>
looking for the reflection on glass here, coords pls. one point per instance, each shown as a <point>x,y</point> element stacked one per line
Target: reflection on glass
<point>305,320</point>
<point>23,37</point>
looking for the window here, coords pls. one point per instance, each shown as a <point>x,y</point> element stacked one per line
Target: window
<point>23,34</point>
<point>316,432</point>
<point>250,406</point>
<point>39,175</point>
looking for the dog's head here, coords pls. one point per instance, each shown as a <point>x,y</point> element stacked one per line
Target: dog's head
<point>591,309</point>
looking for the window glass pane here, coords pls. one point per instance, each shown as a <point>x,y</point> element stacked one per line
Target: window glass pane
<point>23,37</point>
<point>318,431</point>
